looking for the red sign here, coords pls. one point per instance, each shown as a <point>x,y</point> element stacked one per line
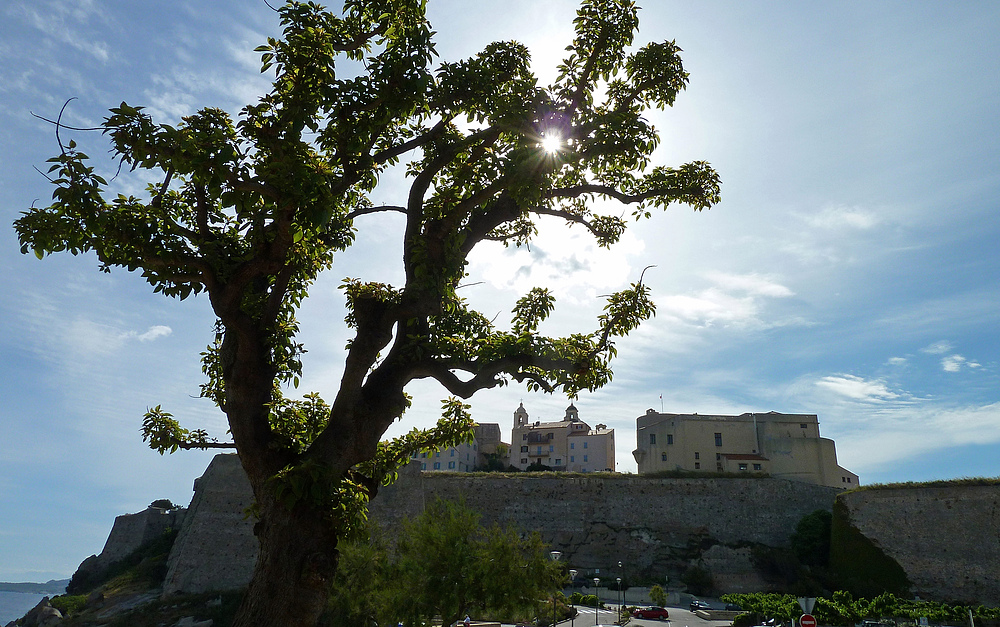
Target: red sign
<point>807,620</point>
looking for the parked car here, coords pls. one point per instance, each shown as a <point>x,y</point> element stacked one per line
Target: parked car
<point>651,612</point>
<point>698,604</point>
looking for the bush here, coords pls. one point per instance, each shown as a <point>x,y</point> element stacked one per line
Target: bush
<point>69,604</point>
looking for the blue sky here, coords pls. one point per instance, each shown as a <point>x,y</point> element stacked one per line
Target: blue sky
<point>850,271</point>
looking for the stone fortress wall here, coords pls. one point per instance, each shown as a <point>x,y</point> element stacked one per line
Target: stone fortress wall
<point>658,527</point>
<point>946,539</point>
<point>131,532</point>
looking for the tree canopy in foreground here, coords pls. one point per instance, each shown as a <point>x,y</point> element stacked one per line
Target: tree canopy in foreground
<point>444,564</point>
<point>250,211</point>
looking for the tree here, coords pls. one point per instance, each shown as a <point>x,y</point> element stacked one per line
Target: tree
<point>448,565</point>
<point>657,595</point>
<point>250,212</point>
<point>811,540</point>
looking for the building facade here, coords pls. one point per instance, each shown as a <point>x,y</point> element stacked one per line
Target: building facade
<point>568,445</point>
<point>467,456</point>
<point>786,446</point>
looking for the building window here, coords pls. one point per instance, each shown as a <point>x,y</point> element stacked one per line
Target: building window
<point>718,439</point>
<point>802,425</point>
<point>572,444</point>
<point>718,457</point>
<point>524,436</point>
<point>652,438</point>
<point>558,462</point>
<point>524,461</point>
<point>584,458</point>
<point>584,445</point>
<point>572,458</point>
<point>524,449</point>
<point>848,480</point>
<point>718,466</point>
<point>437,453</point>
<point>423,456</point>
<point>743,466</point>
<point>697,466</point>
<point>548,436</point>
<point>663,456</point>
<point>843,479</point>
<point>437,465</point>
<point>451,464</point>
<point>670,438</point>
<point>423,466</point>
<point>756,466</point>
<point>697,455</point>
<point>551,448</point>
<point>452,452</point>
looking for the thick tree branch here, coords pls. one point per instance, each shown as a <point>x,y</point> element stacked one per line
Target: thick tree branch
<point>389,153</point>
<point>578,190</point>
<point>367,210</point>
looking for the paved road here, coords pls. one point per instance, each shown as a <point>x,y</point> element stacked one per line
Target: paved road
<point>679,617</point>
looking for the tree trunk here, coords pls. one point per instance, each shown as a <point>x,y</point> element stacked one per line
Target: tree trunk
<point>294,571</point>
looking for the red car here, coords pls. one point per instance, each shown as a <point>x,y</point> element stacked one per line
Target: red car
<point>651,612</point>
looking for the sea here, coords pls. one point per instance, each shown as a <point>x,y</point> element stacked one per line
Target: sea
<point>14,605</point>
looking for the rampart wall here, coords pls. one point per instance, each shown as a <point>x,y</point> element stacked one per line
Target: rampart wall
<point>657,527</point>
<point>946,539</point>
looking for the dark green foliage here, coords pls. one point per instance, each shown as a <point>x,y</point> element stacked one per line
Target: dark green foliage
<point>811,540</point>
<point>858,565</point>
<point>698,581</point>
<point>841,608</point>
<point>538,467</point>
<point>164,504</point>
<point>69,604</point>
<point>444,563</point>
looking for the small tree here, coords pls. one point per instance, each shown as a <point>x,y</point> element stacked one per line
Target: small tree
<point>657,595</point>
<point>249,213</point>
<point>446,564</point>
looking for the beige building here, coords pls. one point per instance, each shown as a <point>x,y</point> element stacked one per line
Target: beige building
<point>467,456</point>
<point>787,446</point>
<point>569,444</point>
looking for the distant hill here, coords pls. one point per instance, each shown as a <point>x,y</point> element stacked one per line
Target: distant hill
<point>52,586</point>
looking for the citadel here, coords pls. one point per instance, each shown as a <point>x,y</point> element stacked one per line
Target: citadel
<point>941,540</point>
<point>784,446</point>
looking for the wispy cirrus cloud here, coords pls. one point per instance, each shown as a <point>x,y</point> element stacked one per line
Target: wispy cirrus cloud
<point>857,388</point>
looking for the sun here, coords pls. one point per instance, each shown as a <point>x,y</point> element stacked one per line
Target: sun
<point>551,143</point>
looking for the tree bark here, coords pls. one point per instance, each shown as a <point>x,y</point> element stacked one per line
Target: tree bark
<point>294,571</point>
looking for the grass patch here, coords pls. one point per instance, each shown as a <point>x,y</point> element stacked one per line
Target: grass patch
<point>963,482</point>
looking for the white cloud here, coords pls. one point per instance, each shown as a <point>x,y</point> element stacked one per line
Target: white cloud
<point>154,332</point>
<point>896,361</point>
<point>840,217</point>
<point>750,283</point>
<point>903,432</point>
<point>954,363</point>
<point>60,21</point>
<point>734,300</point>
<point>858,389</point>
<point>937,348</point>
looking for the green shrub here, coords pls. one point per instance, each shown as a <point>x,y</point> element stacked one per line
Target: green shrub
<point>69,604</point>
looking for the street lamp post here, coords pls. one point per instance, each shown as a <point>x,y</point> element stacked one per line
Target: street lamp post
<point>619,621</point>
<point>597,600</point>
<point>572,611</point>
<point>555,555</point>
